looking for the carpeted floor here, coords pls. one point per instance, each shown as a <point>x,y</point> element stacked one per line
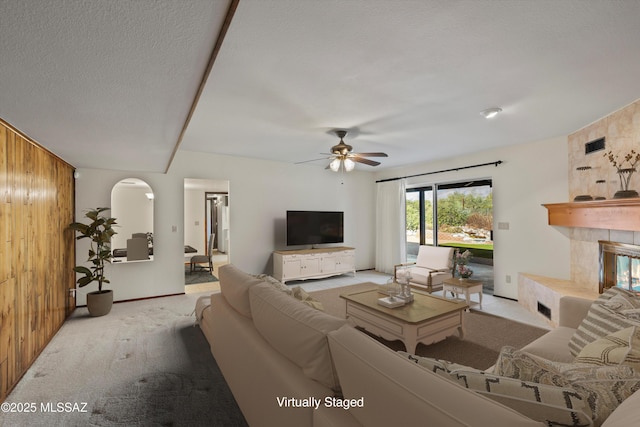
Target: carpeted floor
<point>485,334</point>
<point>144,364</point>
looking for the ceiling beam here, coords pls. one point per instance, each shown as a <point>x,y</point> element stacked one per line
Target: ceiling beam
<point>216,48</point>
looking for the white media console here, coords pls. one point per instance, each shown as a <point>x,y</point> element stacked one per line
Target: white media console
<point>313,263</point>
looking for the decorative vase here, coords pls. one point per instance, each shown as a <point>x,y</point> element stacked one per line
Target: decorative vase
<point>466,274</point>
<point>625,177</point>
<point>631,159</point>
<point>99,302</point>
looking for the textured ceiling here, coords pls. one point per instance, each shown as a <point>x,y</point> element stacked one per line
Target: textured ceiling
<point>105,83</point>
<point>110,83</point>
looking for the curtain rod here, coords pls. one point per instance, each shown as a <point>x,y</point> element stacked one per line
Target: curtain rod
<point>496,163</point>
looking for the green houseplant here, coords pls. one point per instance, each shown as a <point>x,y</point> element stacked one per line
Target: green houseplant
<point>99,230</point>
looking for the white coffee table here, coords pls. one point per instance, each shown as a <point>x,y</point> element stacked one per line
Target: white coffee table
<point>458,286</point>
<point>426,320</point>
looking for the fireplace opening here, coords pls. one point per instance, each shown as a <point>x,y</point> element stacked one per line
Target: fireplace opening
<point>544,310</point>
<point>619,266</point>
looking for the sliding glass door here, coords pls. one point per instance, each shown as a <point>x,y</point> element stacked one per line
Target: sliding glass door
<point>419,223</point>
<point>463,213</point>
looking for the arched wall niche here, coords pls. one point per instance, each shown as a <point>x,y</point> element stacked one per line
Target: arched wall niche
<point>132,206</point>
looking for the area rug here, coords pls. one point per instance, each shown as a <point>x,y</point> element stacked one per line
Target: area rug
<point>143,364</point>
<point>485,334</point>
<point>198,276</point>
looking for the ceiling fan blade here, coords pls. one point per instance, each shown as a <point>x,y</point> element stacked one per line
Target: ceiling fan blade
<point>313,160</point>
<point>365,161</point>
<point>371,154</point>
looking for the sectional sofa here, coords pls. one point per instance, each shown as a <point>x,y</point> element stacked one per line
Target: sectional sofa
<point>290,364</point>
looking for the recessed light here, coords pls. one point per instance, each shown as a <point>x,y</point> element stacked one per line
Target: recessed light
<point>490,113</point>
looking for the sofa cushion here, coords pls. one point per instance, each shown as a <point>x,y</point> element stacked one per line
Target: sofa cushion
<point>296,330</point>
<point>622,347</point>
<point>553,345</point>
<point>603,319</point>
<point>234,285</point>
<point>398,393</point>
<point>549,404</point>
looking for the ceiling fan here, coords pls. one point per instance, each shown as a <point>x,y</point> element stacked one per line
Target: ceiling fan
<point>342,157</point>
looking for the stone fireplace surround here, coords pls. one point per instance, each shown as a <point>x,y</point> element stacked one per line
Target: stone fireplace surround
<point>621,131</point>
<point>542,294</point>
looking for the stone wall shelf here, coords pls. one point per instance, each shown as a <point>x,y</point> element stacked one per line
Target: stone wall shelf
<point>612,214</point>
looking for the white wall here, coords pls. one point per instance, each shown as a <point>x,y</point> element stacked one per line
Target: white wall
<point>260,192</point>
<point>193,217</point>
<point>532,174</point>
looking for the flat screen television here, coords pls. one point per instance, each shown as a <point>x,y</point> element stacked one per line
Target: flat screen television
<point>314,227</point>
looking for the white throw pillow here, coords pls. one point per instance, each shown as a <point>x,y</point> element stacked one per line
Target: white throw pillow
<point>549,404</point>
<point>619,348</point>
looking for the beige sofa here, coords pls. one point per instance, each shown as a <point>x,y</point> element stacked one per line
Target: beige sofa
<point>289,364</point>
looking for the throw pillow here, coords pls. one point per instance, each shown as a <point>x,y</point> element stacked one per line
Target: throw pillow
<point>622,301</point>
<point>622,347</point>
<point>301,295</point>
<point>274,282</point>
<point>632,313</point>
<point>601,320</point>
<point>523,366</point>
<point>603,388</point>
<point>549,404</point>
<point>437,366</point>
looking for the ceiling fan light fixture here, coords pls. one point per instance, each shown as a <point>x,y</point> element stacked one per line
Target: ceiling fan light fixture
<point>349,165</point>
<point>335,165</point>
<point>490,113</point>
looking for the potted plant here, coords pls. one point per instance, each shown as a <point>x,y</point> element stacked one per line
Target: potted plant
<point>99,231</point>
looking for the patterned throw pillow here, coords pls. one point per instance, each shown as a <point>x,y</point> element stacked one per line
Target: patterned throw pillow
<point>603,388</point>
<point>622,347</point>
<point>523,366</point>
<point>623,301</point>
<point>602,320</point>
<point>440,367</point>
<point>552,405</point>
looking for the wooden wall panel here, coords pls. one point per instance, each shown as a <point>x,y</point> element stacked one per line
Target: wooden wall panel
<point>37,251</point>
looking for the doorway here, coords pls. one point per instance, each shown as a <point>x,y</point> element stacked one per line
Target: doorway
<point>206,232</point>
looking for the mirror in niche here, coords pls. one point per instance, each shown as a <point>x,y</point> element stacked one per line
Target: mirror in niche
<point>132,206</point>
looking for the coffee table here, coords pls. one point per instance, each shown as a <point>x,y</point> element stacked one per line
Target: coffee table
<point>426,320</point>
<point>457,286</point>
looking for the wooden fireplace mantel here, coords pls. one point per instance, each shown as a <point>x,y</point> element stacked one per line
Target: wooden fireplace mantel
<point>612,214</point>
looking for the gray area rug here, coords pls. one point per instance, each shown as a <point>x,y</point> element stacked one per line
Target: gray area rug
<point>198,276</point>
<point>144,364</point>
<point>485,334</point>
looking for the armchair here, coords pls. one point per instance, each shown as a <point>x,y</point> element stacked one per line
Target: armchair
<point>433,265</point>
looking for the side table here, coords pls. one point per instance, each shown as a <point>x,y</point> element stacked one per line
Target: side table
<point>457,286</point>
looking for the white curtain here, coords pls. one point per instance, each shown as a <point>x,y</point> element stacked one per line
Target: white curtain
<point>391,234</point>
